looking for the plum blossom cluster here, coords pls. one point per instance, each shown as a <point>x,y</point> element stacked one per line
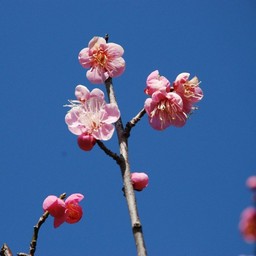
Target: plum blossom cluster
<point>247,224</point>
<point>64,211</point>
<point>103,59</point>
<point>170,105</point>
<point>90,117</point>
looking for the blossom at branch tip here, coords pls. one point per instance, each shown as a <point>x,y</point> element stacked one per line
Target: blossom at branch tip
<point>155,82</point>
<point>165,109</point>
<point>64,211</point>
<point>247,224</point>
<point>139,180</point>
<point>90,114</point>
<point>103,59</point>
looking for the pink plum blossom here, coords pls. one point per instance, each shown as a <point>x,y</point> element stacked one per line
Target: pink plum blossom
<point>251,183</point>
<point>247,224</point>
<point>189,90</point>
<point>171,105</point>
<point>90,114</point>
<point>165,109</point>
<point>103,59</point>
<point>139,180</point>
<point>64,211</point>
<point>156,82</point>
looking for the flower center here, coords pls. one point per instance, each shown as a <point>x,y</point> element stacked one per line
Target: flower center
<point>73,213</point>
<point>92,114</point>
<point>166,110</point>
<point>100,58</point>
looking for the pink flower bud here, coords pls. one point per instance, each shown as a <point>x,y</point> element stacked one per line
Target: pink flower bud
<point>251,183</point>
<point>86,141</point>
<point>139,180</point>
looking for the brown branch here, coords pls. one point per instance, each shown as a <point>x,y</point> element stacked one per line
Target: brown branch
<point>108,151</point>
<point>133,122</point>
<point>5,251</point>
<point>33,242</point>
<point>126,175</point>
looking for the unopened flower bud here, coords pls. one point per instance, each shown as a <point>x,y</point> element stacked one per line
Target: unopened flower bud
<point>139,180</point>
<point>86,141</point>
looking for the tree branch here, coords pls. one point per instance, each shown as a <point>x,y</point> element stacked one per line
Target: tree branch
<point>5,251</point>
<point>108,151</point>
<point>133,122</point>
<point>126,175</point>
<point>33,242</point>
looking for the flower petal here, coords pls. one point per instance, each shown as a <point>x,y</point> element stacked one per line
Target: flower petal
<point>111,114</point>
<point>97,75</point>
<point>74,198</point>
<point>105,132</point>
<point>114,50</point>
<point>116,67</point>
<point>84,58</point>
<point>82,93</point>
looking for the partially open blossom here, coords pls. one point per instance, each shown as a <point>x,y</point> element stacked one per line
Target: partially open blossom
<point>103,59</point>
<point>251,183</point>
<point>139,180</point>
<point>90,114</point>
<point>189,90</point>
<point>165,109</point>
<point>247,224</point>
<point>86,141</point>
<point>64,211</point>
<point>155,82</point>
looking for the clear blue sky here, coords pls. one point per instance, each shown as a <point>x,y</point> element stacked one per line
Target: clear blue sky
<point>197,173</point>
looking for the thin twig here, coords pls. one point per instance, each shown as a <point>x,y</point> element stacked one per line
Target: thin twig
<point>41,220</point>
<point>108,151</point>
<point>133,122</point>
<point>126,175</point>
<point>5,250</point>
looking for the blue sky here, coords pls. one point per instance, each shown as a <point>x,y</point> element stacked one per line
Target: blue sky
<point>197,173</point>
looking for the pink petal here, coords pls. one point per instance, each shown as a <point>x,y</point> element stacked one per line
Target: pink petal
<point>112,113</point>
<point>116,67</point>
<point>82,93</point>
<point>149,105</point>
<point>71,120</point>
<point>157,124</point>
<point>84,58</point>
<point>97,75</point>
<point>156,82</point>
<point>114,50</point>
<point>54,205</point>
<point>49,201</point>
<point>182,77</point>
<point>97,93</point>
<point>74,198</point>
<point>58,221</point>
<point>105,132</point>
<point>95,42</point>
